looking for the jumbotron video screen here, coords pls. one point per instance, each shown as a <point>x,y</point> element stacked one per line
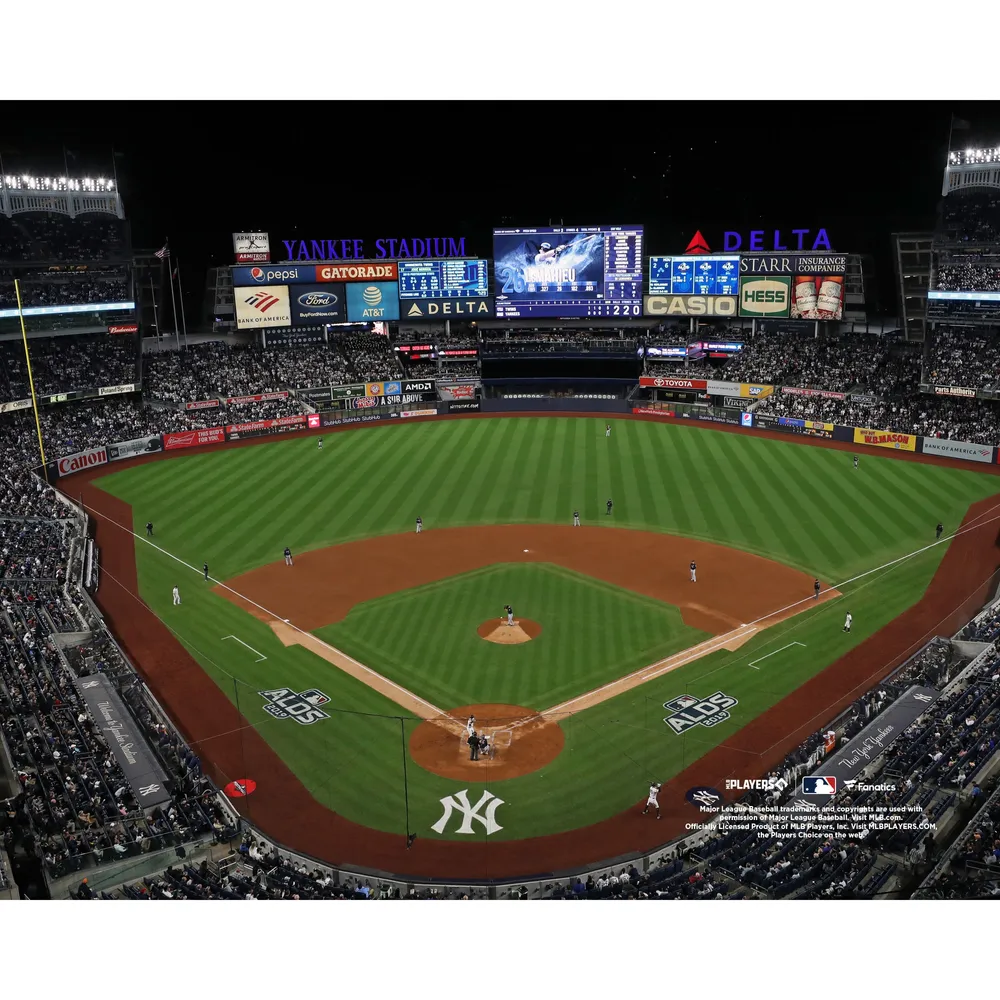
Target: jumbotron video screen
<point>570,273</point>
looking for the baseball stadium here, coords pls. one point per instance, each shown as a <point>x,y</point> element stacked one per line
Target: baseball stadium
<point>557,562</point>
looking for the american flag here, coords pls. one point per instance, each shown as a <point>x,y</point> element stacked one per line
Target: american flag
<point>164,251</point>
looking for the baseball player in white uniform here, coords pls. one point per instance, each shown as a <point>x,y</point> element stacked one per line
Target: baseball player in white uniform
<point>847,622</point>
<point>607,431</point>
<point>694,571</point>
<point>420,525</point>
<point>470,726</point>
<point>177,596</point>
<point>510,615</point>
<point>652,800</point>
<point>576,519</point>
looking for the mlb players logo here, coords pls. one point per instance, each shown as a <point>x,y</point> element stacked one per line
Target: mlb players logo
<point>819,784</point>
<point>284,703</point>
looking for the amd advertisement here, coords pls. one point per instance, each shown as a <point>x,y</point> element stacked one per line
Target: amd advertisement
<point>571,273</point>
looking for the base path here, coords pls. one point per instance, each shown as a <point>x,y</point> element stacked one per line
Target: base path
<point>317,592</point>
<point>282,808</point>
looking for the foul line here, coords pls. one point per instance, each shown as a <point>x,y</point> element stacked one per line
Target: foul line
<point>260,655</point>
<point>773,651</point>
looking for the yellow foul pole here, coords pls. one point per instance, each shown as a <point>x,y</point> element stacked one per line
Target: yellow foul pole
<point>31,380</point>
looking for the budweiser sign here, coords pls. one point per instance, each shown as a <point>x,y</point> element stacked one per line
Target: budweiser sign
<point>662,382</point>
<point>189,439</point>
<point>82,460</point>
<point>263,397</point>
<point>124,328</point>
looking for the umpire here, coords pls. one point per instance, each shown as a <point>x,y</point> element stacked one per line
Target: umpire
<point>473,742</point>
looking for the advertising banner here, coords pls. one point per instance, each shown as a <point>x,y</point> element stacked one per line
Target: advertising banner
<point>690,305</point>
<point>275,274</point>
<point>406,414</point>
<point>957,449</point>
<point>137,446</point>
<point>865,398</point>
<point>318,304</point>
<point>376,301</point>
<point>337,419</point>
<point>190,439</point>
<point>673,353</point>
<point>262,397</point>
<point>460,352</point>
<point>259,308</point>
<point>822,393</point>
<point>359,271</point>
<point>653,411</point>
<point>251,248</point>
<point>116,390</point>
<point>446,308</point>
<point>254,427</point>
<point>370,402</point>
<point>811,428</point>
<point>885,439</point>
<point>346,391</point>
<point>793,263</point>
<point>82,460</point>
<point>665,382</point>
<point>312,419</point>
<point>767,297</point>
<point>17,404</point>
<point>123,328</point>
<point>463,407</point>
<point>954,390</point>
<point>458,392</point>
<point>138,763</point>
<point>202,404</point>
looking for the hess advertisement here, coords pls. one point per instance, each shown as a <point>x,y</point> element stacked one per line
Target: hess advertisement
<point>262,307</point>
<point>378,300</point>
<point>818,296</point>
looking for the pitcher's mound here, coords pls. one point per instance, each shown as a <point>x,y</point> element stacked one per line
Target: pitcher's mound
<point>524,741</point>
<point>496,630</point>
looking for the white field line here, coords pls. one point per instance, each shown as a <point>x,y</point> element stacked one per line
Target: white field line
<point>778,650</point>
<point>260,655</point>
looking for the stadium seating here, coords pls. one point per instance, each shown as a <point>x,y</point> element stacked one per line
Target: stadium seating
<point>65,364</point>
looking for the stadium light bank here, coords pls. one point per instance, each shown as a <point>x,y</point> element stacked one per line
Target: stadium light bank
<point>26,182</point>
<point>961,157</point>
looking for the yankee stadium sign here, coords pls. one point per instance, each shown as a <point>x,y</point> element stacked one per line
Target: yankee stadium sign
<point>386,248</point>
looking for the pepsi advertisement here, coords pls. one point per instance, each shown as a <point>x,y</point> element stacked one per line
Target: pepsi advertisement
<point>312,304</point>
<point>274,274</point>
<point>568,273</point>
<point>372,302</point>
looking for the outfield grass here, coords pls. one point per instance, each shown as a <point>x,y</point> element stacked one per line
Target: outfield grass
<point>592,633</point>
<point>801,505</point>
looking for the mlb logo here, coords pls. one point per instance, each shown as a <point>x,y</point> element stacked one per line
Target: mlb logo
<point>314,697</point>
<point>684,701</point>
<point>819,784</point>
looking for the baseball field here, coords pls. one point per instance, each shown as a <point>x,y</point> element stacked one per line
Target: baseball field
<point>340,685</point>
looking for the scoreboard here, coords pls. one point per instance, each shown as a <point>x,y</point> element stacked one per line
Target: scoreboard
<point>443,279</point>
<point>694,274</point>
<point>571,273</point>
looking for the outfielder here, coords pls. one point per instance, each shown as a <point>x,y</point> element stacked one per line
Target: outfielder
<point>653,800</point>
<point>177,596</point>
<point>847,622</point>
<point>205,569</point>
<point>607,431</point>
<point>420,525</point>
<point>694,571</point>
<point>855,461</point>
<point>288,556</point>
<point>576,519</point>
<point>610,505</point>
<point>149,529</point>
<point>319,444</point>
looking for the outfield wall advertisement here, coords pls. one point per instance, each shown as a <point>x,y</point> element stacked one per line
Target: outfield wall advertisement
<point>885,439</point>
<point>957,449</point>
<point>191,439</point>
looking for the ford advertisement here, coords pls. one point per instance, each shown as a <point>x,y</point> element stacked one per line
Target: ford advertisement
<point>318,304</point>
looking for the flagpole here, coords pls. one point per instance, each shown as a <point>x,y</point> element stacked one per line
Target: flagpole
<point>180,295</point>
<point>31,378</point>
<point>156,319</point>
<point>173,301</point>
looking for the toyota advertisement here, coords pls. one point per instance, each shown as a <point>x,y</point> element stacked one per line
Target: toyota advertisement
<point>318,304</point>
<point>263,307</point>
<point>373,302</point>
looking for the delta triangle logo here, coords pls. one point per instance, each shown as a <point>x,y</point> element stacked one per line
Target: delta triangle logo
<point>414,310</point>
<point>698,244</point>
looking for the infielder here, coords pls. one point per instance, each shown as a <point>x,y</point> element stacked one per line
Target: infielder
<point>816,590</point>
<point>939,529</point>
<point>576,519</point>
<point>610,505</point>
<point>149,529</point>
<point>653,800</point>
<point>847,622</point>
<point>420,525</point>
<point>177,596</point>
<point>694,571</point>
<point>288,556</point>
<point>607,431</point>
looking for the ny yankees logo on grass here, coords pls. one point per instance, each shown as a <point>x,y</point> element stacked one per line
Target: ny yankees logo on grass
<point>460,801</point>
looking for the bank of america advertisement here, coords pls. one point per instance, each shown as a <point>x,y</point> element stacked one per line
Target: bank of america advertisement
<point>377,300</point>
<point>262,306</point>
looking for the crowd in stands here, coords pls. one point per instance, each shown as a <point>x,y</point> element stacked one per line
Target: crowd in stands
<point>983,628</point>
<point>970,216</point>
<point>370,357</point>
<point>65,364</point>
<point>964,356</point>
<point>449,369</point>
<point>51,237</point>
<point>968,276</point>
<point>60,290</point>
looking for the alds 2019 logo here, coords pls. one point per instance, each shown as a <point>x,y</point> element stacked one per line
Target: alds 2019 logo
<point>284,703</point>
<point>687,711</point>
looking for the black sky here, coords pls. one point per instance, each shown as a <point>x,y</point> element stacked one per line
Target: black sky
<point>197,172</point>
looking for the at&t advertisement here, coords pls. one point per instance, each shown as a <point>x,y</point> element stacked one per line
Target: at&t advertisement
<point>376,300</point>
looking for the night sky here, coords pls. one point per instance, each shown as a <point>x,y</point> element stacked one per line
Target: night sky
<point>322,170</point>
